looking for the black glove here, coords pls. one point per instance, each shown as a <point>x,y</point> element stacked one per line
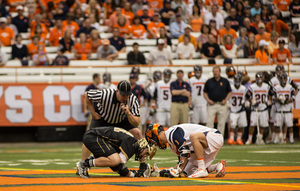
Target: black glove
<point>165,173</point>
<point>142,169</point>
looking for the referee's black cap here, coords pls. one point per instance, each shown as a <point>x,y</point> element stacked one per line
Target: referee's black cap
<point>124,87</point>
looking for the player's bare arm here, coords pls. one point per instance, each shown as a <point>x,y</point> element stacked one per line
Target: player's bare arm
<point>134,120</point>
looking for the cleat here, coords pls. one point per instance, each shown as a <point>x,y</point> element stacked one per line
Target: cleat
<point>155,172</point>
<point>147,172</point>
<point>231,142</point>
<point>292,141</point>
<point>220,170</point>
<point>248,142</point>
<point>239,142</point>
<point>90,157</point>
<point>199,173</point>
<point>82,170</point>
<point>260,142</point>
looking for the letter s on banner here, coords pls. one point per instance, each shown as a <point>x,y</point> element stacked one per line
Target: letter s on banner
<point>49,104</point>
<point>25,106</point>
<point>76,102</point>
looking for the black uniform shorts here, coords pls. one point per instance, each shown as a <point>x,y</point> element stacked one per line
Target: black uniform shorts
<point>125,124</point>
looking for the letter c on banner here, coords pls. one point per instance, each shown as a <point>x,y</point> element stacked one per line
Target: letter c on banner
<point>25,106</point>
<point>49,104</point>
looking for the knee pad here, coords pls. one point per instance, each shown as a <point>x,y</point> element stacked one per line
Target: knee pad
<point>121,169</point>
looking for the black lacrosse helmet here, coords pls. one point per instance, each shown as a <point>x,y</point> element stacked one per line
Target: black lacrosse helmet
<point>230,71</point>
<point>106,77</point>
<point>152,137</point>
<point>157,75</point>
<point>167,75</point>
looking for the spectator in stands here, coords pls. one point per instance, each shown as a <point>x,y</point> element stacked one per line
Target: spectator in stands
<point>294,8</point>
<point>242,39</point>
<point>202,7</point>
<point>196,19</point>
<point>177,27</point>
<point>164,35</point>
<point>124,28</point>
<point>181,99</point>
<point>226,9</point>
<point>67,42</point>
<point>211,50</point>
<point>109,7</point>
<point>138,30</point>
<point>69,23</point>
<point>227,30</point>
<point>82,49</point>
<point>154,26</point>
<point>38,21</point>
<point>60,59</point>
<point>94,40</point>
<point>263,55</point>
<point>229,50</point>
<point>240,9</point>
<point>262,35</point>
<point>214,15</point>
<point>185,49</point>
<point>7,35</point>
<point>107,51</point>
<point>93,9</point>
<point>178,10</point>
<point>19,51</point>
<point>78,16</point>
<point>56,33</point>
<point>180,3</point>
<point>250,29</point>
<point>3,11</point>
<point>236,21</point>
<point>256,9</point>
<point>128,12</point>
<point>40,58</point>
<point>60,12</point>
<point>203,38</point>
<point>217,92</point>
<point>21,22</point>
<point>187,31</point>
<point>281,54</point>
<point>294,46</point>
<point>160,55</point>
<point>137,6</point>
<point>281,5</point>
<point>265,15</point>
<point>277,25</point>
<point>95,23</point>
<point>10,25</point>
<point>250,46</point>
<point>166,46</point>
<point>86,29</point>
<point>214,31</point>
<point>214,2</point>
<point>33,46</point>
<point>167,12</point>
<point>273,42</point>
<point>256,21</point>
<point>3,57</point>
<point>113,19</point>
<point>248,12</point>
<point>117,41</point>
<point>135,57</point>
<point>38,31</point>
<point>145,12</point>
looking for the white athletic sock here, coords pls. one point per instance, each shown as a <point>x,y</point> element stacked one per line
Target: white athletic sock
<point>212,168</point>
<point>284,136</point>
<point>239,135</point>
<point>250,137</point>
<point>231,135</point>
<point>276,139</point>
<point>131,174</point>
<point>291,137</point>
<point>273,136</point>
<point>201,163</point>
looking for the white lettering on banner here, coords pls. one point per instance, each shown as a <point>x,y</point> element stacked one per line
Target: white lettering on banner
<point>49,104</point>
<point>24,105</point>
<point>76,102</point>
<point>1,91</point>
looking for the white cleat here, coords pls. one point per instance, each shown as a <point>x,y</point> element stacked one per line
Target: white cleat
<point>156,170</point>
<point>220,169</point>
<point>248,142</point>
<point>147,172</point>
<point>82,170</point>
<point>199,173</point>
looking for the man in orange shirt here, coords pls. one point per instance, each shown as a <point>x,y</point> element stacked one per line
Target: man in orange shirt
<point>256,21</point>
<point>56,33</point>
<point>70,24</point>
<point>113,19</point>
<point>281,54</point>
<point>33,46</point>
<point>227,30</point>
<point>126,11</point>
<point>277,25</point>
<point>156,5</point>
<point>214,2</point>
<point>154,26</point>
<point>7,35</point>
<point>262,35</point>
<point>187,31</point>
<point>150,13</point>
<point>282,5</point>
<point>38,20</point>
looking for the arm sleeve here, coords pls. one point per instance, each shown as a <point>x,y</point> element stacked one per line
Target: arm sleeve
<point>178,137</point>
<point>95,95</point>
<point>295,86</point>
<point>130,59</point>
<point>155,94</point>
<point>135,108</point>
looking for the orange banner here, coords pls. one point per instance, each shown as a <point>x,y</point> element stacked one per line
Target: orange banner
<point>42,104</point>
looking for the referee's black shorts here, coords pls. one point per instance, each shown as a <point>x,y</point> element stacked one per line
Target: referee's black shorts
<point>97,145</point>
<point>125,124</point>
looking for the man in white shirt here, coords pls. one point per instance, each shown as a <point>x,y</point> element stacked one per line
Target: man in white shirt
<point>214,15</point>
<point>160,55</point>
<point>185,49</point>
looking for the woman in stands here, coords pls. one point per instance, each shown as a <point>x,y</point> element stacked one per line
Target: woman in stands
<point>214,31</point>
<point>82,50</point>
<point>109,7</point>
<point>294,46</point>
<point>137,29</point>
<point>229,51</point>
<point>241,40</point>
<point>250,46</point>
<point>196,19</point>
<point>265,14</point>
<point>164,35</point>
<point>93,8</point>
<point>78,16</point>
<point>40,58</point>
<point>263,55</point>
<point>226,11</point>
<point>94,40</point>
<point>67,42</point>
<point>203,38</point>
<point>38,31</point>
<point>124,28</point>
<point>240,9</point>
<point>19,51</point>
<point>273,43</point>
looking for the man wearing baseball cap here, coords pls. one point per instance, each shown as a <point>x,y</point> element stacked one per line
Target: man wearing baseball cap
<point>154,26</point>
<point>160,55</point>
<point>21,22</point>
<point>187,31</point>
<point>262,35</point>
<point>107,51</point>
<point>281,54</point>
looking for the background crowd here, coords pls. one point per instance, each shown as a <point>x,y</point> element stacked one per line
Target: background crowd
<point>225,29</point>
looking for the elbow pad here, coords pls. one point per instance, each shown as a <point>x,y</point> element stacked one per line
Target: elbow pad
<point>184,151</point>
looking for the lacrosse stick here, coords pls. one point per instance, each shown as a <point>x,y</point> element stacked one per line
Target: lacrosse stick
<point>259,136</point>
<point>281,124</point>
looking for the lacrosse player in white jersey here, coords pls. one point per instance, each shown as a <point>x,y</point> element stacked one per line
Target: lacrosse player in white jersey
<point>238,118</point>
<point>162,99</point>
<point>107,82</point>
<point>199,103</point>
<point>157,75</point>
<point>258,93</point>
<point>284,98</point>
<point>230,72</point>
<point>195,145</point>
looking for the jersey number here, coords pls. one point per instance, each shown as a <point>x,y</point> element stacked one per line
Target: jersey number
<point>200,88</point>
<point>237,101</point>
<point>166,94</point>
<point>260,98</point>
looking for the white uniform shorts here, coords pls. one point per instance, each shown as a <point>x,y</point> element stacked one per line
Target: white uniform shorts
<point>215,142</point>
<point>200,114</point>
<point>238,119</point>
<point>144,114</point>
<point>163,118</point>
<point>272,113</point>
<point>287,119</point>
<point>263,118</point>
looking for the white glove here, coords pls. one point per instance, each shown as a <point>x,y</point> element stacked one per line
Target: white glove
<point>247,103</point>
<point>253,102</point>
<point>175,172</point>
<point>269,102</point>
<point>282,99</point>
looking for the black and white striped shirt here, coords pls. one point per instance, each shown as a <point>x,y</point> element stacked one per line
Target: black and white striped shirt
<point>110,108</point>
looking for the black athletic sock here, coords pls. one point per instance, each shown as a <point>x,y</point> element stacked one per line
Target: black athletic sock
<point>89,162</point>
